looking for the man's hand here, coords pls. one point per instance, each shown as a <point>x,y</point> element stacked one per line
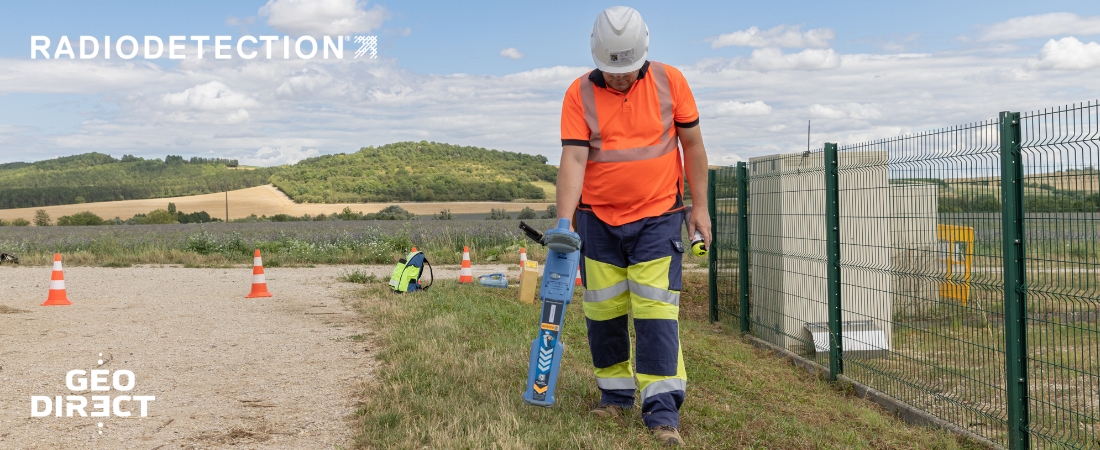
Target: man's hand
<point>699,219</point>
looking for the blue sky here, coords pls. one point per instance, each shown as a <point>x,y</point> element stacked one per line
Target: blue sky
<point>860,70</point>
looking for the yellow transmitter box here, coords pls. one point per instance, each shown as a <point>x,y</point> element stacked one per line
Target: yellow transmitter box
<point>528,282</point>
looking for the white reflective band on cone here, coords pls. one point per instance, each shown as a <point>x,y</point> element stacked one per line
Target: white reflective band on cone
<point>467,271</point>
<point>57,285</point>
<point>257,279</point>
<point>256,261</point>
<point>57,265</point>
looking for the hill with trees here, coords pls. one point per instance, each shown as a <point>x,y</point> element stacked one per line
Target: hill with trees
<point>416,171</point>
<point>403,171</point>
<point>96,177</point>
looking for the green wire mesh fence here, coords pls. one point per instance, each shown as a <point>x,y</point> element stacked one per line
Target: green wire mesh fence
<point>972,300</point>
<point>1061,152</point>
<point>787,243</point>
<point>921,261</point>
<point>727,260</point>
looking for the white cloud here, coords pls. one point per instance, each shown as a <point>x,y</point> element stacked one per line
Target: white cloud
<point>825,112</point>
<point>895,42</point>
<point>1068,54</point>
<point>765,59</point>
<point>275,156</point>
<point>76,76</point>
<point>278,111</point>
<point>511,53</point>
<point>738,109</point>
<point>323,17</point>
<point>845,111</point>
<point>208,103</point>
<point>212,96</point>
<point>724,158</point>
<point>241,22</point>
<point>1042,25</point>
<point>785,36</point>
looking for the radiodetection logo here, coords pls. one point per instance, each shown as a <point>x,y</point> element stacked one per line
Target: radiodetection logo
<point>96,380</point>
<point>216,47</point>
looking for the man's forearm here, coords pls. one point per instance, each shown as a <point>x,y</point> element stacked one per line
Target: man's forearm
<point>695,163</point>
<point>570,180</point>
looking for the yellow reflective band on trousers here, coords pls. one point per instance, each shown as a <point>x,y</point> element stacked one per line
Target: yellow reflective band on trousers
<point>614,291</point>
<point>605,279</point>
<point>656,384</point>
<point>619,376</point>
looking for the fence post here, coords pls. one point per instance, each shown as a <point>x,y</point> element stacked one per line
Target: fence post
<point>832,251</point>
<point>712,254</point>
<point>743,243</point>
<point>1015,304</point>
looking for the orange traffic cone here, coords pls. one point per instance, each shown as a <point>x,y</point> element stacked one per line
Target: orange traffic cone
<point>259,283</point>
<point>522,260</point>
<point>467,273</point>
<point>578,282</point>
<point>57,285</point>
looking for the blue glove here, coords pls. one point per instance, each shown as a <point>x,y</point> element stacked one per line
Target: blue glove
<point>561,240</point>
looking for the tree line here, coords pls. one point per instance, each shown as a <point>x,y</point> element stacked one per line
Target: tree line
<point>416,171</point>
<point>88,218</point>
<point>403,171</point>
<point>95,177</point>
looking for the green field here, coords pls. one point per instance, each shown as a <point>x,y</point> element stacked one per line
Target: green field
<point>454,360</point>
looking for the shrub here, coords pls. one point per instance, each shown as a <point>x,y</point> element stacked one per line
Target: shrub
<point>392,212</point>
<point>347,214</point>
<point>158,216</point>
<point>41,218</point>
<point>527,213</point>
<point>195,217</point>
<point>20,222</point>
<point>444,215</point>
<point>551,212</point>
<point>86,218</point>
<point>498,214</point>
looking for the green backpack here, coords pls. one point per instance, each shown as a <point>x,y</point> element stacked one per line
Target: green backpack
<point>406,275</point>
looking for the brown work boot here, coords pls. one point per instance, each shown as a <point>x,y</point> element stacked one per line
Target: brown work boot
<point>667,434</point>
<point>606,410</point>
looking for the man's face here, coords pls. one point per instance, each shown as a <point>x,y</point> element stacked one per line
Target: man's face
<point>621,81</point>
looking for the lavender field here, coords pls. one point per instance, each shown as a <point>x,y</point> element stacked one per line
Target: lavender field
<point>282,243</point>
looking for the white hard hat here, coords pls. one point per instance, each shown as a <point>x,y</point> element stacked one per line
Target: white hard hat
<point>620,40</point>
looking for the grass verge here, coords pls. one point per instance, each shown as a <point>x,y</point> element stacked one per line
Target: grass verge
<point>454,362</point>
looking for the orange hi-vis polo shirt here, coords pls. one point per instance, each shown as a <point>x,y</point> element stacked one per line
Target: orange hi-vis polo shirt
<point>634,167</point>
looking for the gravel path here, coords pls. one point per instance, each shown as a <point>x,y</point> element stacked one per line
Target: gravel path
<point>281,372</point>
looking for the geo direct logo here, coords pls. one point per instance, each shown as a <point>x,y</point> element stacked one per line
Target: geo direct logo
<point>98,380</point>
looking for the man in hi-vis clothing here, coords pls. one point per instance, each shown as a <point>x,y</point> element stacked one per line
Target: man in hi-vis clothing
<point>621,175</point>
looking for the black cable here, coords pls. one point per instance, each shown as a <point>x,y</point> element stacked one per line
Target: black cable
<point>431,275</point>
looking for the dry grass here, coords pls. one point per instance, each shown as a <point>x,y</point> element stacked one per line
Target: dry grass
<point>454,359</point>
<point>260,200</point>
